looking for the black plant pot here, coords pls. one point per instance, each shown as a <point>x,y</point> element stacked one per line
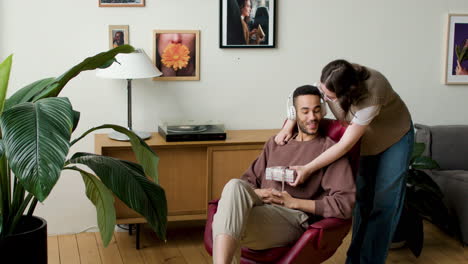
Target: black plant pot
<point>28,244</point>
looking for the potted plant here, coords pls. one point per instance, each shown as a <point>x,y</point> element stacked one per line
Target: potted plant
<point>35,138</point>
<point>423,201</point>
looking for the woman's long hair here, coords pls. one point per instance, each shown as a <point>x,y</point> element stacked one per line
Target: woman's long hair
<point>344,79</point>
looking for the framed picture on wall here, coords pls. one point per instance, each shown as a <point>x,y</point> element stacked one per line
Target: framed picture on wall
<point>247,24</point>
<point>456,67</point>
<point>118,35</point>
<point>121,3</point>
<point>176,53</point>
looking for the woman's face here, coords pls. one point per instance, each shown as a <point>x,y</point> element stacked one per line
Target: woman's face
<point>327,94</point>
<point>245,11</point>
<point>176,38</point>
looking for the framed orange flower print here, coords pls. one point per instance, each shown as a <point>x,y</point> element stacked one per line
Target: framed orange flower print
<point>176,53</point>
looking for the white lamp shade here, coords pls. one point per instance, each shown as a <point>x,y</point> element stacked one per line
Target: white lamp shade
<point>135,65</point>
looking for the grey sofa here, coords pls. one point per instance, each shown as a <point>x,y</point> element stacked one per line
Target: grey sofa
<point>448,145</point>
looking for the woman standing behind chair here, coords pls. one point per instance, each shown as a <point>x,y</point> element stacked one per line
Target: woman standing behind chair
<point>363,98</point>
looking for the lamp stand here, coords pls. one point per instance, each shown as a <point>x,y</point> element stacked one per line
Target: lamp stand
<point>122,137</point>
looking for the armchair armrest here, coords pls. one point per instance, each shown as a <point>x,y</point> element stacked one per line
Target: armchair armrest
<point>319,242</point>
<point>208,235</point>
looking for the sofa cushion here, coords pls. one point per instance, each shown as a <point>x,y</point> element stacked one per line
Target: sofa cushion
<point>448,145</point>
<point>454,186</point>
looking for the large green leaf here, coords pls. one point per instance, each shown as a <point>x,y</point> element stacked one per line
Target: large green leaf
<point>5,68</point>
<point>418,150</point>
<point>37,139</point>
<point>90,63</point>
<point>76,119</point>
<point>103,199</point>
<point>4,195</point>
<point>144,154</point>
<point>423,162</point>
<point>27,93</point>
<point>51,87</point>
<point>419,180</point>
<point>128,182</point>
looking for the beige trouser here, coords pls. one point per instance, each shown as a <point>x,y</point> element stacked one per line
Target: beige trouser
<point>242,215</point>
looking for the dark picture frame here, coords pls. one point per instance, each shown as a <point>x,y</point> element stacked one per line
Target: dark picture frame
<point>121,3</point>
<point>241,26</point>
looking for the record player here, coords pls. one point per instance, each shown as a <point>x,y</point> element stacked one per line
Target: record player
<point>174,133</point>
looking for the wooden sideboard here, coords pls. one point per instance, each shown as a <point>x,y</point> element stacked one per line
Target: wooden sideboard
<point>191,173</point>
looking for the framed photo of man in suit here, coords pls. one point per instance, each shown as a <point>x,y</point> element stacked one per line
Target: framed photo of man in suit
<point>247,24</point>
<point>118,35</point>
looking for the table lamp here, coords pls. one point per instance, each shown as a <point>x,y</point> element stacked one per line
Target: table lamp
<point>135,65</point>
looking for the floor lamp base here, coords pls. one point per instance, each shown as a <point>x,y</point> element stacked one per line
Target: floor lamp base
<point>122,137</point>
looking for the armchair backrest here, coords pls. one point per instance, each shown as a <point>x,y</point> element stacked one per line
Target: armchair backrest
<point>334,129</point>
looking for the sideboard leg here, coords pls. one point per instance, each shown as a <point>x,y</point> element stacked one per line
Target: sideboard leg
<point>138,236</point>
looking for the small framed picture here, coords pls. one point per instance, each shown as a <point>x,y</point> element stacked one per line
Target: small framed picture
<point>121,3</point>
<point>118,35</point>
<point>456,67</point>
<point>177,54</point>
<point>247,24</point>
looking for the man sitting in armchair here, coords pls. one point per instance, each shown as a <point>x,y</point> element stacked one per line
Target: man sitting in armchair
<point>254,213</point>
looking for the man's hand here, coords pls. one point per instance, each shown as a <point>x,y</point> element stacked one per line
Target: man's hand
<point>302,174</point>
<point>285,199</point>
<point>267,195</point>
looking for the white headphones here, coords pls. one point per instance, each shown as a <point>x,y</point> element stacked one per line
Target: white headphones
<point>291,110</point>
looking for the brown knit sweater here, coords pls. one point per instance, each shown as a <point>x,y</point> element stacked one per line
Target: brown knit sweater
<point>392,122</point>
<point>332,187</point>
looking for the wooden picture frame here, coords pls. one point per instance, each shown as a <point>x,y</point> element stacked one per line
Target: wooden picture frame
<point>176,53</point>
<point>251,25</point>
<point>121,3</point>
<point>118,35</point>
<point>456,63</point>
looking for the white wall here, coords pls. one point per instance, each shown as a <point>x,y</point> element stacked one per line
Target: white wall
<point>243,88</point>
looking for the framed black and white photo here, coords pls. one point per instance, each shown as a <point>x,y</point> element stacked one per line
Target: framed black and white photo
<point>247,24</point>
<point>121,3</point>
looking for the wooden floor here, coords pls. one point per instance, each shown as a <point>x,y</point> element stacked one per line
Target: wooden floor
<point>185,245</point>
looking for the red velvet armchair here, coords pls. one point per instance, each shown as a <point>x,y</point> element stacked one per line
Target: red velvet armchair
<point>318,243</point>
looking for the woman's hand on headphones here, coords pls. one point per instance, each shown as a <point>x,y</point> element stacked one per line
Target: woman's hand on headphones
<point>301,175</point>
<point>283,137</point>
